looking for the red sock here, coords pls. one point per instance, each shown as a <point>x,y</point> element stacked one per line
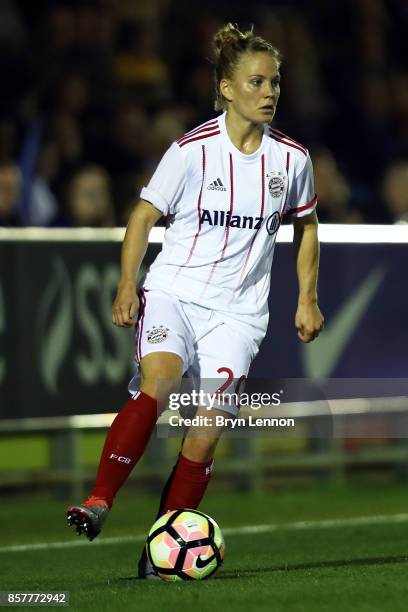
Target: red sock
<point>124,445</point>
<point>186,486</point>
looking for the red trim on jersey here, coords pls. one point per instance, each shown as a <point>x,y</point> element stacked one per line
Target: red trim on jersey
<point>199,127</point>
<point>260,214</point>
<point>282,210</point>
<point>227,227</point>
<point>282,135</point>
<point>300,208</point>
<point>199,138</point>
<point>198,211</point>
<point>140,326</point>
<point>263,184</point>
<point>231,208</point>
<point>203,128</point>
<point>289,144</point>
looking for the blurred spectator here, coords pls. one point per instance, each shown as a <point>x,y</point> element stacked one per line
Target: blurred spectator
<point>77,34</point>
<point>10,186</point>
<point>14,57</point>
<point>130,139</point>
<point>399,102</point>
<point>61,26</point>
<point>303,83</point>
<point>43,206</point>
<point>88,198</point>
<point>332,190</point>
<point>115,83</point>
<point>8,138</point>
<point>167,127</point>
<point>129,194</point>
<point>12,30</point>
<point>395,190</point>
<point>70,104</point>
<point>138,63</point>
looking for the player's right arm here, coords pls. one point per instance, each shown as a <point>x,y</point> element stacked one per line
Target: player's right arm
<point>126,304</point>
<point>160,197</point>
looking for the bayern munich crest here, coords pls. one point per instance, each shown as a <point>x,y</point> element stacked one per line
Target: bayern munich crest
<point>276,184</point>
<point>157,334</point>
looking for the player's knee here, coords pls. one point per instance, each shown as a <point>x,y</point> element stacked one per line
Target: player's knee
<point>160,375</point>
<point>159,388</point>
<point>199,449</point>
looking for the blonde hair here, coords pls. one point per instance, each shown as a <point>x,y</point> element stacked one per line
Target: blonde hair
<point>229,44</point>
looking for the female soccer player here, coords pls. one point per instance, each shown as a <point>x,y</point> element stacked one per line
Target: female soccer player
<point>225,187</point>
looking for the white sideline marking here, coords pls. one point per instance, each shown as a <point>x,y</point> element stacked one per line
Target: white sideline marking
<point>230,531</point>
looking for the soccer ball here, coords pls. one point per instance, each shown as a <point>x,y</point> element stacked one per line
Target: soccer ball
<point>185,545</point>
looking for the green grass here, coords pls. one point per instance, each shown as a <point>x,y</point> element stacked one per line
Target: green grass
<point>348,568</point>
<point>23,452</point>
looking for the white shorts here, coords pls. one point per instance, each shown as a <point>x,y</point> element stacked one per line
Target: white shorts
<point>213,347</point>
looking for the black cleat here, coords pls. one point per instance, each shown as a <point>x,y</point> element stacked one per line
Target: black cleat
<point>88,517</point>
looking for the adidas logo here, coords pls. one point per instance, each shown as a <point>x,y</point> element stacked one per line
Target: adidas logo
<point>217,185</point>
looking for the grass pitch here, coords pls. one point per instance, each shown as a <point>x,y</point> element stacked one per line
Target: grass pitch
<point>340,548</point>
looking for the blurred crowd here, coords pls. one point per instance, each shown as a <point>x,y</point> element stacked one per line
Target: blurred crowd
<point>93,92</point>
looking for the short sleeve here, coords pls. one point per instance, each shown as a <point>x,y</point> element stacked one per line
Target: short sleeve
<point>167,184</point>
<point>302,197</point>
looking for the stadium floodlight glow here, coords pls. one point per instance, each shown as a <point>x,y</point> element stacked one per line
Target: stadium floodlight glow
<point>302,409</point>
<point>62,234</point>
<point>334,233</point>
<point>364,233</point>
<point>353,234</point>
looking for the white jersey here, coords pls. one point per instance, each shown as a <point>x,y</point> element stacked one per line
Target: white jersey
<point>225,208</point>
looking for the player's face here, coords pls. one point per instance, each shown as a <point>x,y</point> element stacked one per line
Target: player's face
<point>254,90</point>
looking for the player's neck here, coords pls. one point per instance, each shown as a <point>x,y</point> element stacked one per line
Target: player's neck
<point>246,136</point>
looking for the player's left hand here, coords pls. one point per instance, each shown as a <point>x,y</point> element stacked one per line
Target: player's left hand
<point>309,321</point>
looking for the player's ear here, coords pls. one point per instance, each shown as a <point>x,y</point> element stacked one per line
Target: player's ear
<point>226,89</point>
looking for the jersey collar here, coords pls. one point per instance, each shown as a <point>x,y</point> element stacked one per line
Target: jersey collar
<point>233,149</point>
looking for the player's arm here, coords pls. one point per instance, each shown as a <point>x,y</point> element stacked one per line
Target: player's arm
<point>308,320</point>
<point>141,221</point>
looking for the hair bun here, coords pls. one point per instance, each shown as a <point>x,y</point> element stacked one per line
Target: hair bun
<point>228,35</point>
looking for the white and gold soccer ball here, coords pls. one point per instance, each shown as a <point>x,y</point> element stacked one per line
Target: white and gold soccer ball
<point>185,545</point>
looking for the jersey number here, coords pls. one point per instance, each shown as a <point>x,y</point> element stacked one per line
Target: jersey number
<point>229,381</point>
